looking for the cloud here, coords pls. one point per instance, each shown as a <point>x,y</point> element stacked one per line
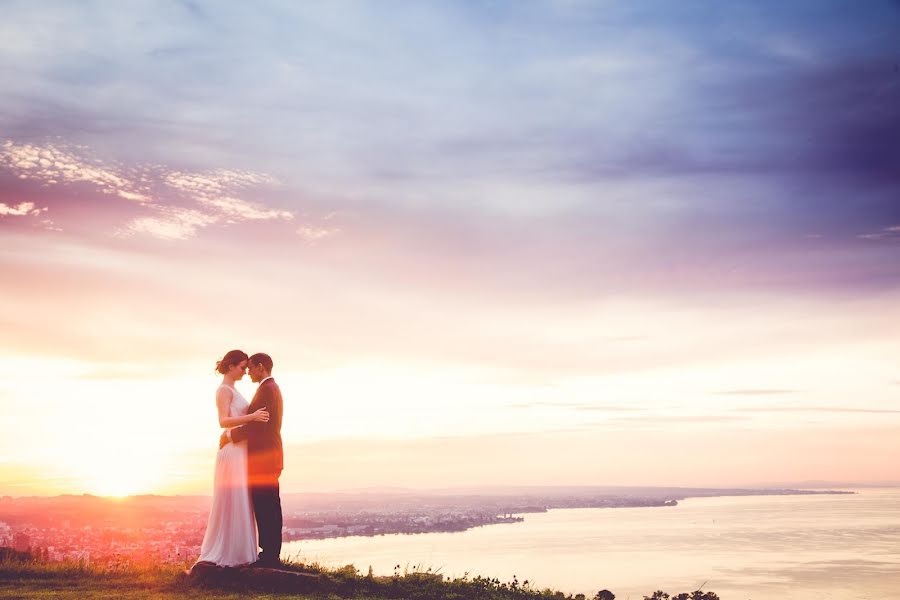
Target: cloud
<point>23,209</point>
<point>53,164</point>
<point>576,406</point>
<point>888,233</point>
<point>756,392</point>
<point>216,182</point>
<point>574,126</point>
<point>213,192</point>
<point>235,209</point>
<point>133,196</point>
<point>200,199</point>
<point>19,210</point>
<point>214,195</point>
<point>316,234</point>
<point>818,409</point>
<point>600,408</point>
<point>49,225</point>
<point>677,419</point>
<point>172,223</point>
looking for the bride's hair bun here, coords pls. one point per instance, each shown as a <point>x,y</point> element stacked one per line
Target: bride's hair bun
<point>231,358</point>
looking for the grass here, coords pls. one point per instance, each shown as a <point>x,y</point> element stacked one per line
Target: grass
<point>74,580</point>
<point>28,579</point>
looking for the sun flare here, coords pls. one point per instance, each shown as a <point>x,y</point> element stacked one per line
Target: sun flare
<point>117,488</point>
<point>122,474</point>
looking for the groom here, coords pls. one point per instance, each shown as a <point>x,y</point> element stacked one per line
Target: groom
<point>265,459</point>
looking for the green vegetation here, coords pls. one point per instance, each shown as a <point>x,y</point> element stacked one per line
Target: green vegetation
<point>22,577</point>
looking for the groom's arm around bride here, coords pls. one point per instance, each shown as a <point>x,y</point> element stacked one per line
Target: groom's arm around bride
<point>265,453</point>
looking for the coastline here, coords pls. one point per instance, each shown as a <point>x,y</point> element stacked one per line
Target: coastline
<point>512,513</point>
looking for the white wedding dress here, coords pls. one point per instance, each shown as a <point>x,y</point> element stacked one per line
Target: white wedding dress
<point>230,538</point>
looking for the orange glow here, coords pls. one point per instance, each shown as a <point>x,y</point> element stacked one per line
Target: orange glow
<point>99,401</point>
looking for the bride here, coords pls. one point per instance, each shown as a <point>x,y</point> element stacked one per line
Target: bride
<point>230,538</point>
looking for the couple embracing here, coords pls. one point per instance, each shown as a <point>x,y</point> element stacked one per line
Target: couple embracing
<point>248,465</point>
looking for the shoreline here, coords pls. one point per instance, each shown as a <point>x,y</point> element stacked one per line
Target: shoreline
<point>601,503</point>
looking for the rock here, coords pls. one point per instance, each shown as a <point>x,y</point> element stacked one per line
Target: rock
<point>257,577</point>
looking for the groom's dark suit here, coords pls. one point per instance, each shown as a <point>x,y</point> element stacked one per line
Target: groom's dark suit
<point>265,461</point>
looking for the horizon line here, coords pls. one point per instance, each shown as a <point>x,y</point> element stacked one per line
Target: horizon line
<point>375,491</point>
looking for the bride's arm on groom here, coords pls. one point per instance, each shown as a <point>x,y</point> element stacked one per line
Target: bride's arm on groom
<point>223,402</point>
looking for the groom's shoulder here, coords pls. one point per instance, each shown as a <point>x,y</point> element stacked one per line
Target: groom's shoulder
<point>271,386</point>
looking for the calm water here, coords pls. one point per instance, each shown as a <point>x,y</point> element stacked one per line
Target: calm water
<point>761,548</point>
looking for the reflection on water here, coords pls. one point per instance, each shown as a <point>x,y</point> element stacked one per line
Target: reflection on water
<point>801,547</point>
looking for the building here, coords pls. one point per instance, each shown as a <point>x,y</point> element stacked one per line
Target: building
<point>21,542</point>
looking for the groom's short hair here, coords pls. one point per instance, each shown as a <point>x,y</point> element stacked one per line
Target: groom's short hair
<point>261,358</point>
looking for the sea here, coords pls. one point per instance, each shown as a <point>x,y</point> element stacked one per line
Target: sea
<point>805,547</point>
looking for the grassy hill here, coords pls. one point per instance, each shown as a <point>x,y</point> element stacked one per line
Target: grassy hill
<point>22,578</point>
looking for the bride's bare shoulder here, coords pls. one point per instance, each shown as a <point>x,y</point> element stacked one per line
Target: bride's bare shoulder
<point>224,394</point>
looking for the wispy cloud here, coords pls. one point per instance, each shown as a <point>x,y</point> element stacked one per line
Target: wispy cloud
<point>53,164</point>
<point>28,209</point>
<point>181,202</point>
<point>663,419</point>
<point>214,194</point>
<point>19,210</point>
<point>235,210</point>
<point>817,409</point>
<point>888,233</point>
<point>605,408</point>
<point>314,234</point>
<point>215,183</point>
<point>171,223</point>
<point>574,406</point>
<point>756,392</point>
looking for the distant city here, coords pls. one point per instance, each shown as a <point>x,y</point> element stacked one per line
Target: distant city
<point>169,529</point>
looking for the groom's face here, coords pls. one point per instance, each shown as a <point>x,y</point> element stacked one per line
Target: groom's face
<point>256,373</point>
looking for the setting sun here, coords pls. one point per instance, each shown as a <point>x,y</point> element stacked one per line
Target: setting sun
<point>119,473</point>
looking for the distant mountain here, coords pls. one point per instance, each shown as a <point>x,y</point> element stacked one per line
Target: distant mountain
<point>384,489</point>
<point>613,490</point>
<point>824,484</point>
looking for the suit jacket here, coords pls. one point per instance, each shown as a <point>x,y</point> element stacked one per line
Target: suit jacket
<point>265,456</point>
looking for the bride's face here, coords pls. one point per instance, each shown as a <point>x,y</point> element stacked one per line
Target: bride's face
<point>238,370</point>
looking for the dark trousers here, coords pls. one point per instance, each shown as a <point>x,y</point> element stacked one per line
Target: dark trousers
<point>267,507</point>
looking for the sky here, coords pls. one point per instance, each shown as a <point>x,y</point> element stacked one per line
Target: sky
<point>486,243</point>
